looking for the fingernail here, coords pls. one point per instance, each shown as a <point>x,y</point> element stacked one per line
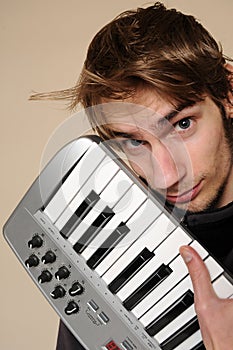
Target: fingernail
<point>186,255</point>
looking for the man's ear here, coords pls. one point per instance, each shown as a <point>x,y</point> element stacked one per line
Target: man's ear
<point>229,102</point>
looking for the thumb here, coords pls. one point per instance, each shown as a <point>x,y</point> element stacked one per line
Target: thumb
<point>199,274</point>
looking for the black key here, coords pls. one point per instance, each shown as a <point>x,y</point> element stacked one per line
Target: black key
<point>80,213</point>
<point>129,271</point>
<point>108,245</point>
<point>147,286</point>
<point>171,313</point>
<point>181,334</point>
<point>199,346</point>
<point>93,230</point>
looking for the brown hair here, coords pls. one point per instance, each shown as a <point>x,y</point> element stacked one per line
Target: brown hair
<point>162,48</point>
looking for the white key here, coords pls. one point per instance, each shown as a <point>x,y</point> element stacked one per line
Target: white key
<point>150,239</point>
<point>74,182</point>
<point>110,195</point>
<point>123,210</point>
<point>148,211</point>
<point>222,287</point>
<point>97,181</point>
<point>177,323</point>
<point>190,342</point>
<point>214,268</point>
<point>166,301</point>
<point>167,251</point>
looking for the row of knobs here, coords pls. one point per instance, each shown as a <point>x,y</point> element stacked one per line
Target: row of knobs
<point>59,291</point>
<point>34,261</point>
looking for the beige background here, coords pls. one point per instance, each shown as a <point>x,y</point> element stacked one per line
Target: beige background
<point>43,44</point>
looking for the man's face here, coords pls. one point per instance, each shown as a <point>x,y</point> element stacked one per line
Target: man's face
<point>183,155</point>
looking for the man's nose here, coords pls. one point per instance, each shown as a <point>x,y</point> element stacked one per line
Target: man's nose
<point>168,165</point>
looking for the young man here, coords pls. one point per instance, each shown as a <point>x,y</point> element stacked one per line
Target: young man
<point>180,142</point>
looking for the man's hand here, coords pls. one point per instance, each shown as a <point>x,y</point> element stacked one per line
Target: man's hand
<point>215,315</point>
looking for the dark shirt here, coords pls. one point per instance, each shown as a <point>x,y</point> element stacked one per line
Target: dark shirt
<point>213,229</point>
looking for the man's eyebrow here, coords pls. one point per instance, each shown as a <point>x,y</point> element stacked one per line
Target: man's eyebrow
<point>177,110</point>
<point>122,134</point>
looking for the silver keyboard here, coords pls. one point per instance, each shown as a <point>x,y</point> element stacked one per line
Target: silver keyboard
<point>104,251</point>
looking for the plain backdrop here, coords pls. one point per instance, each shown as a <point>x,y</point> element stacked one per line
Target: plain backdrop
<point>42,48</point>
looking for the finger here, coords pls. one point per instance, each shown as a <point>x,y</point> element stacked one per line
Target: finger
<point>199,274</point>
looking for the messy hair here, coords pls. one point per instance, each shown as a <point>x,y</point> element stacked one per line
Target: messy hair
<point>164,49</point>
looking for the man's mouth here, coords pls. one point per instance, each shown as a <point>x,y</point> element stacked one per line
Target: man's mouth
<point>186,196</point>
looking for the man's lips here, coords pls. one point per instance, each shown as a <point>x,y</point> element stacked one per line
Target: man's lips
<point>186,196</point>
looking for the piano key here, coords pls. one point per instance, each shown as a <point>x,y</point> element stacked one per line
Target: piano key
<point>165,252</point>
<point>182,334</point>
<point>108,245</point>
<point>129,271</point>
<point>102,176</point>
<point>110,195</point>
<point>147,286</point>
<point>179,271</point>
<point>223,287</point>
<point>194,342</point>
<point>83,209</point>
<point>170,298</point>
<point>199,346</point>
<point>123,209</point>
<point>93,229</point>
<point>150,239</point>
<point>168,315</point>
<point>93,156</point>
<point>175,325</point>
<point>137,226</point>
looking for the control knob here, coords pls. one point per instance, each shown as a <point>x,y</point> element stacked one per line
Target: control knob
<point>45,276</point>
<point>72,308</point>
<point>49,257</point>
<point>35,242</point>
<point>32,261</point>
<point>62,273</point>
<point>76,289</point>
<point>58,292</point>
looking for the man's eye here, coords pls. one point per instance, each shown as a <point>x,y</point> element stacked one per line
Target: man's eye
<point>131,143</point>
<point>183,124</point>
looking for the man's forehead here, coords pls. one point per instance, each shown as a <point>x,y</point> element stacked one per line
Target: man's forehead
<point>130,112</point>
<point>131,115</point>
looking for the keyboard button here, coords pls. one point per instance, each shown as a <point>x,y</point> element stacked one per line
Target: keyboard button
<point>72,184</point>
<point>182,334</point>
<point>113,191</point>
<point>124,209</point>
<point>155,279</point>
<point>150,239</point>
<point>137,226</point>
<point>141,259</point>
<point>92,231</point>
<point>96,181</point>
<point>168,315</point>
<point>108,245</point>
